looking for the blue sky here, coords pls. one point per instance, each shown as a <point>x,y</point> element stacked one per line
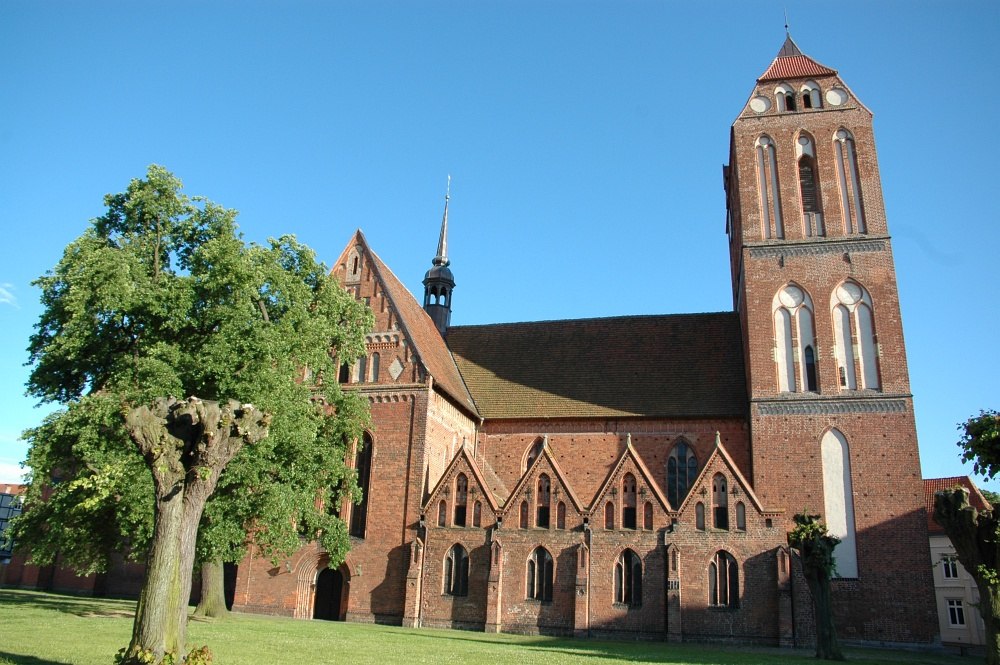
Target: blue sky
<point>585,141</point>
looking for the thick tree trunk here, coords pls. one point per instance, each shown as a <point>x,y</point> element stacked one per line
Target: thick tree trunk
<point>213,593</point>
<point>827,646</point>
<point>186,446</point>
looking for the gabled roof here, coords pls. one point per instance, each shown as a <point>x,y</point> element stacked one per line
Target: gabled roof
<point>790,64</point>
<point>617,366</point>
<point>935,485</point>
<point>420,329</point>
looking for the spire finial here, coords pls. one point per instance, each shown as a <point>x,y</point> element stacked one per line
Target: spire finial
<point>787,34</point>
<point>442,251</point>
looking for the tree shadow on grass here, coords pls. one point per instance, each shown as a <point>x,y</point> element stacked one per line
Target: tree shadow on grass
<point>85,606</point>
<point>19,659</point>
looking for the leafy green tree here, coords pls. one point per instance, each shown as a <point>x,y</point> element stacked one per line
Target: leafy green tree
<point>161,297</point>
<point>814,548</point>
<point>974,534</point>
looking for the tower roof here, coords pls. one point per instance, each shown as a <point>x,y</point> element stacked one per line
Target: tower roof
<point>790,63</point>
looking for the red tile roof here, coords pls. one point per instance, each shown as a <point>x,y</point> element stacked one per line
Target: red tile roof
<point>619,366</point>
<point>934,485</point>
<point>790,64</point>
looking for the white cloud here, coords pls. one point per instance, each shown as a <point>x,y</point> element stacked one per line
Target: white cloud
<point>7,296</point>
<point>11,473</point>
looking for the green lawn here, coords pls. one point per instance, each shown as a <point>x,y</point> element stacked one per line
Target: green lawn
<point>48,629</point>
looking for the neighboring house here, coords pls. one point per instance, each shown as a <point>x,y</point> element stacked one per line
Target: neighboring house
<point>954,589</point>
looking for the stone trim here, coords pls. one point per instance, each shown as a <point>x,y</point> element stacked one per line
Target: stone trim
<point>832,406</point>
<point>815,248</point>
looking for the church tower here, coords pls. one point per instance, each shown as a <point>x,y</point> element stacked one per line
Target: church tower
<point>438,281</point>
<point>831,415</point>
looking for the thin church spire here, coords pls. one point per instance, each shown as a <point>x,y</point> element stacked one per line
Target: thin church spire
<point>442,250</point>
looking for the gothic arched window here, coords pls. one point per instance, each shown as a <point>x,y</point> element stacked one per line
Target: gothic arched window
<point>811,98</point>
<point>539,575</point>
<point>533,453</point>
<point>794,340</point>
<point>723,580</point>
<point>628,502</point>
<point>720,502</point>
<point>543,501</point>
<point>850,183</point>
<point>609,515</point>
<point>768,190</point>
<point>561,516</point>
<point>838,497</point>
<point>785,98</point>
<point>628,579</point>
<point>363,467</point>
<point>461,499</point>
<point>456,572</point>
<point>809,189</point>
<point>376,360</point>
<point>682,469</point>
<point>854,337</point>
<point>647,516</point>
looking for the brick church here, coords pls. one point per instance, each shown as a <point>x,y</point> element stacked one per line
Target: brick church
<point>637,476</point>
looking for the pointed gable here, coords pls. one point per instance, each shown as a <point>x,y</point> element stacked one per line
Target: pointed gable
<point>629,457</point>
<point>546,458</point>
<point>464,462</point>
<point>720,457</point>
<point>427,343</point>
<point>790,63</point>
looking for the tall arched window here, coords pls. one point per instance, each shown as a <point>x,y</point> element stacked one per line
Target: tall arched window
<point>767,189</point>
<point>628,501</point>
<point>461,498</point>
<point>477,513</point>
<point>524,515</point>
<point>723,580</point>
<point>794,341</point>
<point>838,501</point>
<point>533,453</point>
<point>682,469</point>
<point>363,467</point>
<point>854,337</point>
<point>741,516</point>
<point>561,516</point>
<point>647,516</point>
<point>699,516</point>
<point>809,189</point>
<point>362,369</point>
<point>720,502</point>
<point>456,572</point>
<point>609,515</point>
<point>442,513</point>
<point>850,184</point>
<point>543,501</point>
<point>345,373</point>
<point>539,575</point>
<point>376,361</point>
<point>628,579</point>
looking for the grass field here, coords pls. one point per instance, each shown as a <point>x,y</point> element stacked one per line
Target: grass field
<point>48,629</point>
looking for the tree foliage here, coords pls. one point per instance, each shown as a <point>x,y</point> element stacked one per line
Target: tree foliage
<point>814,548</point>
<point>980,442</point>
<point>162,297</point>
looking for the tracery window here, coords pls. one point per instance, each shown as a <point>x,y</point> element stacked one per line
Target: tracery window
<point>768,190</point>
<point>628,502</point>
<point>794,340</point>
<point>682,469</point>
<point>628,579</point>
<point>723,581</point>
<point>456,572</point>
<point>539,575</point>
<point>854,337</point>
<point>850,183</point>
<point>809,189</point>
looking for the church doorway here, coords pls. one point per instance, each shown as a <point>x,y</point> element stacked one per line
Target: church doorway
<point>330,602</point>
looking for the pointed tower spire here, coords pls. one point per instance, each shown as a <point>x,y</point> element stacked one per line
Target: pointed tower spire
<point>439,282</point>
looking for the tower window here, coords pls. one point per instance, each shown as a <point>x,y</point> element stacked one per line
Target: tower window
<point>811,98</point>
<point>376,361</point>
<point>854,337</point>
<point>850,183</point>
<point>768,190</point>
<point>794,340</point>
<point>785,98</point>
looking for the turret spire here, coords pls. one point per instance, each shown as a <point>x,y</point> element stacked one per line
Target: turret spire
<point>439,282</point>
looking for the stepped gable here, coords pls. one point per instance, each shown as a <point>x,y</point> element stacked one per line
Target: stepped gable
<point>423,334</point>
<point>680,366</point>
<point>935,485</point>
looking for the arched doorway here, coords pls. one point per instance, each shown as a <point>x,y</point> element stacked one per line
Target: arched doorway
<point>330,602</point>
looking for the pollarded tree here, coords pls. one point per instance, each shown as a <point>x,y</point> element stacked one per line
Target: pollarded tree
<point>161,297</point>
<point>974,534</point>
<point>814,548</point>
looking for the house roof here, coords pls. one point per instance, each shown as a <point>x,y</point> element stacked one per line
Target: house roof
<point>934,485</point>
<point>791,63</point>
<point>682,365</point>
